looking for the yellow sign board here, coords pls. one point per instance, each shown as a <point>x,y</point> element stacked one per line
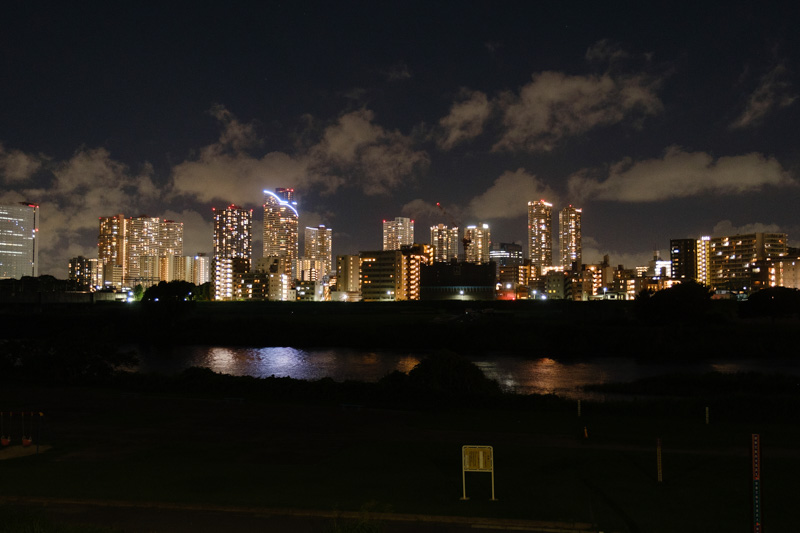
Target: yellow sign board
<point>478,458</point>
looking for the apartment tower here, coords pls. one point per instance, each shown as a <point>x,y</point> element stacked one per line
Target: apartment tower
<point>569,223</point>
<point>398,233</point>
<point>233,248</point>
<point>281,227</point>
<point>540,235</point>
<point>445,243</point>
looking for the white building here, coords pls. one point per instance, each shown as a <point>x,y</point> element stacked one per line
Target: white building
<point>444,241</point>
<point>477,244</point>
<point>397,233</point>
<point>19,244</point>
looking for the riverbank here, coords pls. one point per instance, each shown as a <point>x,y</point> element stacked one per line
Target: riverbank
<point>532,329</point>
<point>203,439</point>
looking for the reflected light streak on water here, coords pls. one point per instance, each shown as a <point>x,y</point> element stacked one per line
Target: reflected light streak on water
<point>540,376</point>
<point>338,364</point>
<point>513,373</point>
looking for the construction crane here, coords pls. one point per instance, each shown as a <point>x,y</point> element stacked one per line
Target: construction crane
<point>465,240</point>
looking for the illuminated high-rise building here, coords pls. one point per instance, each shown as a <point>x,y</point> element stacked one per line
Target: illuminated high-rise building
<point>141,240</point>
<point>84,272</point>
<point>318,246</point>
<point>281,227</point>
<point>202,269</point>
<point>569,222</point>
<point>170,238</point>
<point>414,257</point>
<point>477,244</point>
<point>397,233</point>
<point>129,250</point>
<point>540,235</point>
<point>393,275</point>
<point>444,241</point>
<point>111,246</point>
<point>731,259</point>
<point>286,194</point>
<point>310,269</point>
<point>703,249</point>
<point>19,243</point>
<point>233,248</point>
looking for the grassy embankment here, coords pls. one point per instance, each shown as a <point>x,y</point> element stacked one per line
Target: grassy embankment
<point>201,438</point>
<point>532,329</point>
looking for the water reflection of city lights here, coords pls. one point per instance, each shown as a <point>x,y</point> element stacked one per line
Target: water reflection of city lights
<point>405,364</point>
<point>222,360</point>
<point>728,368</point>
<point>545,375</point>
<point>280,361</point>
<point>548,374</point>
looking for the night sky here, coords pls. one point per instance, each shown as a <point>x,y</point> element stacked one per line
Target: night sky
<point>660,120</point>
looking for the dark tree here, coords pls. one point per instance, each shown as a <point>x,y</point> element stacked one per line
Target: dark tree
<point>173,291</point>
<point>203,292</point>
<point>448,373</point>
<point>772,302</point>
<point>686,301</point>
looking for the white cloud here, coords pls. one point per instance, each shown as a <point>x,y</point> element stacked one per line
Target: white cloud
<point>88,185</point>
<point>773,92</point>
<point>679,174</point>
<point>198,230</point>
<point>226,172</point>
<point>419,208</point>
<point>353,151</point>
<point>236,177</point>
<point>554,106</point>
<point>366,155</point>
<point>16,165</point>
<point>465,120</point>
<point>509,195</point>
<point>235,134</point>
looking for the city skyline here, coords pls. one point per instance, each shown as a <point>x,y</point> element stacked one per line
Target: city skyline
<point>660,121</point>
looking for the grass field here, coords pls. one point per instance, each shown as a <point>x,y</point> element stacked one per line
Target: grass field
<point>212,449</point>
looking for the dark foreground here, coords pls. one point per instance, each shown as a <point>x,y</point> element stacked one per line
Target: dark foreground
<point>152,517</point>
<point>533,328</point>
<point>145,457</point>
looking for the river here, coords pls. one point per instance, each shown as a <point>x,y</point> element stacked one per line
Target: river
<point>514,373</point>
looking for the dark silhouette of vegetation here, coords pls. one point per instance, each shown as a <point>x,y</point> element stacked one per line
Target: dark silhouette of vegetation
<point>173,291</point>
<point>688,301</point>
<point>138,293</point>
<point>449,374</point>
<point>203,293</point>
<point>66,363</point>
<point>773,302</point>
